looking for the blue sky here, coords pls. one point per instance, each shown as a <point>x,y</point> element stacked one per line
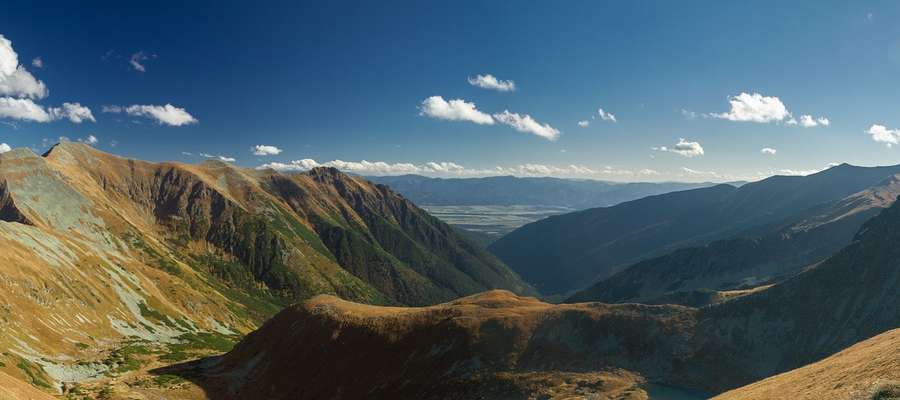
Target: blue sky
<point>347,80</point>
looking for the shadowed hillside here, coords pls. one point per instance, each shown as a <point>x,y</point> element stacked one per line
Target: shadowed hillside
<point>564,253</point>
<point>770,254</point>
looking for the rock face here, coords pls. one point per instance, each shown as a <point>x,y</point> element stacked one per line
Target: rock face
<point>456,349</point>
<point>564,253</point>
<point>99,249</point>
<point>770,254</point>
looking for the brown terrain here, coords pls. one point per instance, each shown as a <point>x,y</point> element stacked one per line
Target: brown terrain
<point>466,347</point>
<point>124,279</point>
<point>111,266</point>
<point>490,345</point>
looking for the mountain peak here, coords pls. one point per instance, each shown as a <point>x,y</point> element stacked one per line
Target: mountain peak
<point>17,154</point>
<point>327,174</point>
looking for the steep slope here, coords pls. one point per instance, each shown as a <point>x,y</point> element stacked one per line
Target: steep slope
<point>509,190</point>
<point>860,372</point>
<point>492,345</point>
<point>770,254</point>
<point>848,298</point>
<point>593,244</point>
<point>562,253</point>
<point>299,235</point>
<point>14,389</point>
<point>109,262</point>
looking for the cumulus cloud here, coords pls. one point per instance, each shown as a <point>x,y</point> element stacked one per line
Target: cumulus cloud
<point>74,112</point>
<point>754,108</point>
<point>524,123</point>
<point>882,134</point>
<point>758,108</point>
<point>584,124</point>
<point>37,62</point>
<point>453,110</point>
<point>4,148</point>
<point>684,148</point>
<point>218,157</point>
<point>768,151</point>
<point>167,114</point>
<point>89,140</point>
<point>606,116</point>
<point>488,81</point>
<point>807,121</point>
<point>15,81</point>
<point>22,109</point>
<point>265,150</point>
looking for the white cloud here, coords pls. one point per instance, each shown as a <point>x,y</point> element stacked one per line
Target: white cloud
<point>800,172</point>
<point>4,148</point>
<point>89,140</point>
<point>684,148</point>
<point>37,62</point>
<point>807,121</point>
<point>453,110</point>
<point>698,172</point>
<point>265,150</point>
<point>754,108</point>
<point>15,81</point>
<point>584,124</point>
<point>74,112</point>
<point>524,123</point>
<point>884,135</point>
<point>688,114</point>
<point>22,109</point>
<point>768,151</point>
<point>137,60</point>
<point>218,157</point>
<point>606,116</point>
<point>186,153</point>
<point>453,169</point>
<point>167,114</point>
<point>488,81</point>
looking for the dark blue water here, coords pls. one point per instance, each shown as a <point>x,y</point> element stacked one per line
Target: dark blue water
<point>662,392</point>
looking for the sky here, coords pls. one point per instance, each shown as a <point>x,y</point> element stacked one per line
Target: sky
<point>612,90</point>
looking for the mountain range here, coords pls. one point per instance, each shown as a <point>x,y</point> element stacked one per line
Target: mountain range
<point>129,279</point>
<point>564,253</point>
<point>106,256</point>
<point>699,275</point>
<point>499,345</point>
<point>509,190</point>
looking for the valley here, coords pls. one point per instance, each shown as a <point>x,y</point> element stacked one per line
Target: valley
<point>468,200</point>
<point>493,221</point>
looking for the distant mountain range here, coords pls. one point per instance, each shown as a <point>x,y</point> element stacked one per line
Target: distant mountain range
<point>564,253</point>
<point>509,190</point>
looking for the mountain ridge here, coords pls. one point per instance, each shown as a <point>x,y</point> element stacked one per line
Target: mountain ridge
<point>593,244</point>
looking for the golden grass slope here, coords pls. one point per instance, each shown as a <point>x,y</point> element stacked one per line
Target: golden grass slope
<point>852,374</point>
<point>14,389</point>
